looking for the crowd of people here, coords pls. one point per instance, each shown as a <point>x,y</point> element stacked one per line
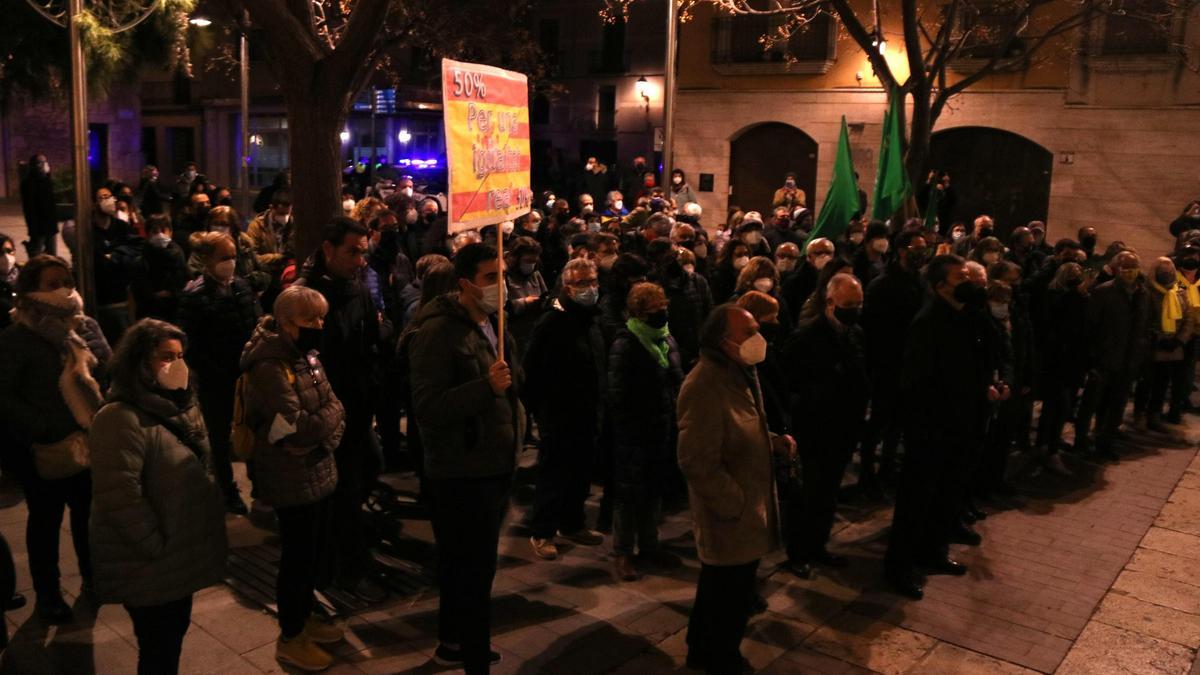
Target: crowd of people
<point>734,367</point>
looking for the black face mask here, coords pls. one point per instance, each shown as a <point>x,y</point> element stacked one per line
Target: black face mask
<point>430,217</point>
<point>201,212</point>
<point>1073,282</point>
<point>770,331</point>
<point>1164,279</point>
<point>847,316</point>
<point>969,294</point>
<point>1189,264</point>
<point>309,339</point>
<point>657,319</point>
<point>1088,243</point>
<point>985,233</point>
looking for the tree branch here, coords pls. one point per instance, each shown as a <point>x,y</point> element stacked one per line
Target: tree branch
<point>359,37</point>
<point>859,34</point>
<point>912,43</point>
<point>291,42</point>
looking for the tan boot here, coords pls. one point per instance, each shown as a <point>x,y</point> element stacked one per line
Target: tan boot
<point>323,633</point>
<point>544,548</point>
<point>301,652</point>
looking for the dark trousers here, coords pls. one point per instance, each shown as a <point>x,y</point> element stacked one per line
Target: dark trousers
<point>216,404</point>
<point>47,499</point>
<point>724,595</point>
<point>467,514</point>
<point>563,484</point>
<point>357,467</point>
<point>160,630</point>
<point>8,585</point>
<point>1058,399</point>
<point>928,502</point>
<point>1104,398</point>
<point>42,243</point>
<point>883,430</point>
<point>821,468</point>
<point>1163,375</point>
<point>304,539</point>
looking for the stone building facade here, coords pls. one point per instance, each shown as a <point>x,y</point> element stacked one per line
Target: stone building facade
<point>1115,132</point>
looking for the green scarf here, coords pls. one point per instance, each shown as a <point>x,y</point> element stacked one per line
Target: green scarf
<point>653,339</point>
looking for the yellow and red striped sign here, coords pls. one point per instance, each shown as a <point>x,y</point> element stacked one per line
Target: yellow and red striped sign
<point>487,144</point>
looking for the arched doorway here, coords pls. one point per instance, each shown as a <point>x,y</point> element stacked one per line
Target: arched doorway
<point>761,155</point>
<point>996,172</point>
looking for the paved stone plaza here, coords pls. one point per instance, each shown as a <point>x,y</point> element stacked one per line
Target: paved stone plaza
<point>1099,573</point>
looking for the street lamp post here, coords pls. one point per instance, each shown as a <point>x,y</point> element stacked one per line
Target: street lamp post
<point>244,174</point>
<point>79,145</point>
<point>669,87</point>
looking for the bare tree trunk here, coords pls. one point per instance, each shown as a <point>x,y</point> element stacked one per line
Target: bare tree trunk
<point>316,164</point>
<point>919,135</point>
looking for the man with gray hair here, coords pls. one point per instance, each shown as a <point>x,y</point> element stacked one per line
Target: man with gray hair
<point>800,285</point>
<point>726,453</point>
<point>826,363</point>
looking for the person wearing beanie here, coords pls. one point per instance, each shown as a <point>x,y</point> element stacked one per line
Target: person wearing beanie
<point>750,233</point>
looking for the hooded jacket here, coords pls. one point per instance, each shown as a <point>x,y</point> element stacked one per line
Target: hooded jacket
<point>468,430</point>
<point>283,383</point>
<point>158,518</point>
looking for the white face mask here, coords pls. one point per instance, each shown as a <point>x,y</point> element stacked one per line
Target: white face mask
<point>740,262</point>
<point>590,166</point>
<point>989,258</point>
<point>754,350</point>
<point>490,302</point>
<point>407,192</point>
<point>752,237</point>
<point>880,246</point>
<point>786,265</point>
<point>999,310</point>
<point>533,225</point>
<point>690,269</point>
<point>820,261</point>
<point>46,168</point>
<point>284,219</point>
<point>160,240</point>
<point>957,235</point>
<point>173,376</point>
<point>507,226</point>
<point>856,238</point>
<point>677,180</point>
<point>108,205</point>
<point>347,206</point>
<point>618,205</point>
<point>411,216</point>
<point>764,285</point>
<point>587,208</point>
<point>224,270</point>
<point>122,216</point>
<point>7,262</point>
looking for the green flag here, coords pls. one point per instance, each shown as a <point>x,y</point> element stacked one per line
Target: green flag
<point>841,202</point>
<point>891,180</point>
<point>931,208</point>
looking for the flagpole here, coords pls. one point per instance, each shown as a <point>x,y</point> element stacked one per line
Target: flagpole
<point>500,287</point>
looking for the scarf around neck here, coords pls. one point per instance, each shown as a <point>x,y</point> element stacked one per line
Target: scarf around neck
<point>653,339</point>
<point>1192,289</point>
<point>1172,307</point>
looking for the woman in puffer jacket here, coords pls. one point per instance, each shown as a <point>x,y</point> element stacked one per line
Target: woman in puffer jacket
<point>297,422</point>
<point>158,525</point>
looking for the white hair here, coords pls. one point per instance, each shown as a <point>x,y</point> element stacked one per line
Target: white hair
<point>692,209</point>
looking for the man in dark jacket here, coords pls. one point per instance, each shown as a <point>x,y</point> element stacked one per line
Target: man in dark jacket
<point>945,409</point>
<point>828,368</point>
<point>893,299</point>
<point>37,204</point>
<point>1117,321</point>
<point>565,366</point>
<point>349,350</point>
<point>471,417</point>
<point>689,298</point>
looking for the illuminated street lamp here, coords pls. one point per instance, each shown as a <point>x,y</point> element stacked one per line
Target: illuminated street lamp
<point>404,136</point>
<point>345,135</point>
<point>643,89</point>
<point>200,21</point>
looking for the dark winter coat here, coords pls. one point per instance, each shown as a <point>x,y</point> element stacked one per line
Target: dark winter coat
<point>163,269</point>
<point>8,296</point>
<point>945,375</point>
<point>117,253</point>
<point>641,398</point>
<point>158,519</point>
<point>1117,321</point>
<point>37,203</point>
<point>350,340</point>
<point>468,430</point>
<point>281,382</point>
<point>1063,342</point>
<point>31,403</point>
<point>565,367</point>
<point>799,285</point>
<point>689,303</point>
<point>218,320</point>
<point>892,301</point>
<point>827,367</point>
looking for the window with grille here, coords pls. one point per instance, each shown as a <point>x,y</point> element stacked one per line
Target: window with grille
<point>738,39</point>
<point>1138,27</point>
<point>986,26</point>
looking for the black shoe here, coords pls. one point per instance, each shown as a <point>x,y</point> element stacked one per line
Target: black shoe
<point>965,535</point>
<point>945,566</point>
<point>447,655</point>
<point>798,568</point>
<point>827,559</point>
<point>54,610</point>
<point>17,601</point>
<point>906,585</point>
<point>1106,453</point>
